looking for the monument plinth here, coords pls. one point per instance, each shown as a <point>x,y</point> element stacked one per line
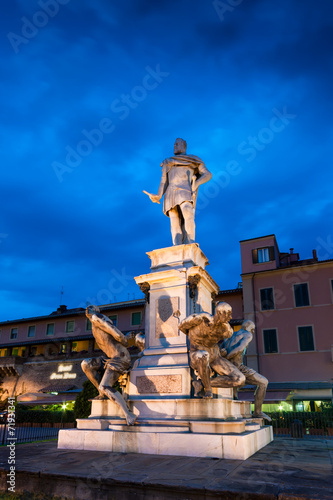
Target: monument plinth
<point>179,394</point>
<point>178,286</point>
<point>170,421</point>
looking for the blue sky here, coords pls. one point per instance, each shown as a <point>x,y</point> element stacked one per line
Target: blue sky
<point>93,95</point>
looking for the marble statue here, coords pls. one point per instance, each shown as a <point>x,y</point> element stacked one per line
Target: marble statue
<point>182,174</point>
<point>234,349</point>
<point>117,362</point>
<point>204,332</point>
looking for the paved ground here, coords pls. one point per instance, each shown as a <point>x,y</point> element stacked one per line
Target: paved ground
<point>287,469</point>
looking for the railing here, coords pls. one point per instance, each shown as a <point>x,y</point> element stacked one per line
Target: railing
<point>27,432</point>
<point>309,425</point>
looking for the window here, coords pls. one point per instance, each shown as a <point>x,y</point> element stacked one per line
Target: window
<point>114,319</point>
<point>31,331</point>
<point>88,325</point>
<point>301,295</point>
<point>50,329</point>
<point>63,349</point>
<point>270,341</point>
<point>33,351</point>
<point>266,299</point>
<point>74,346</point>
<point>15,351</point>
<point>13,333</point>
<point>22,351</point>
<point>260,255</point>
<point>305,336</point>
<point>70,326</point>
<point>136,319</point>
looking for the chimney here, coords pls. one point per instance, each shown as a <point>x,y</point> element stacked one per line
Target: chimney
<point>61,309</point>
<point>314,253</point>
<point>291,251</point>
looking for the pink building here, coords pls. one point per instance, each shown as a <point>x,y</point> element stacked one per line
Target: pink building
<point>43,354</point>
<point>291,303</point>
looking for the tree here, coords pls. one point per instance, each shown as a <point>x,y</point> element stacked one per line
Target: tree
<point>82,406</point>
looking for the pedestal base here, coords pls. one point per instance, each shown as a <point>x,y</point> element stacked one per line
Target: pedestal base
<point>167,441</point>
<point>217,428</point>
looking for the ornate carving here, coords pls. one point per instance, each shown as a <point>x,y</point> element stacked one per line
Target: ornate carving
<point>156,384</point>
<point>145,287</point>
<point>193,282</point>
<point>167,309</point>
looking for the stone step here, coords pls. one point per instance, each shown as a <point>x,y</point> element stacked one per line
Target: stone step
<point>229,446</point>
<point>147,428</point>
<point>170,425</point>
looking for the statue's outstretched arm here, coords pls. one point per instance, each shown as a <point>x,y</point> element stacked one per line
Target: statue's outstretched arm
<point>106,325</point>
<point>155,198</point>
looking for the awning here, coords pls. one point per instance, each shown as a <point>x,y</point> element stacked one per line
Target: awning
<point>312,397</point>
<point>51,400</point>
<point>271,396</point>
<point>11,370</point>
<point>58,388</point>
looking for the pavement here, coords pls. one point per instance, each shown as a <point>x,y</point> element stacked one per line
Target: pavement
<point>286,469</point>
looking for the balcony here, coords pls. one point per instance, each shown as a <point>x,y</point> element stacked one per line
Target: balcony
<point>11,366</point>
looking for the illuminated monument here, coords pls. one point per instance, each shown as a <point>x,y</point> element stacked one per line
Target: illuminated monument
<point>181,387</point>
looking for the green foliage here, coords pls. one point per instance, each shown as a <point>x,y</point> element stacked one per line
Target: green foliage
<point>44,416</point>
<point>326,406</point>
<point>82,406</point>
<point>309,420</point>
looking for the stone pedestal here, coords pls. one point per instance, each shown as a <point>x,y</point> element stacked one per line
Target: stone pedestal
<point>169,420</point>
<point>177,286</point>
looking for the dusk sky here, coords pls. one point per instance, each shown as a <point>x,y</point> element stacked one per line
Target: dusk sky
<point>94,94</point>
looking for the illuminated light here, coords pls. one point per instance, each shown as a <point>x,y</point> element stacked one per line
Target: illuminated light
<point>65,368</point>
<point>280,407</point>
<point>64,406</point>
<point>63,373</point>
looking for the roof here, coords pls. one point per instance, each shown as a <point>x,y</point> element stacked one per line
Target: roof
<point>232,291</point>
<point>78,311</point>
<point>298,263</point>
<point>259,238</point>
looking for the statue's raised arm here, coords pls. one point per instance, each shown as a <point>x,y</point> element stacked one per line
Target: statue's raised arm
<point>182,174</point>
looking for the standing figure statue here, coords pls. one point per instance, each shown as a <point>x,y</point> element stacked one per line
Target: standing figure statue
<point>204,332</point>
<point>234,349</point>
<point>114,344</point>
<point>182,174</point>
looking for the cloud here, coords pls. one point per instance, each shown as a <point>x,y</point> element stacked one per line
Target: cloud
<point>224,81</point>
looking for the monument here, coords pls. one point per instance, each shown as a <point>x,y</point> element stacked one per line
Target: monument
<point>180,389</point>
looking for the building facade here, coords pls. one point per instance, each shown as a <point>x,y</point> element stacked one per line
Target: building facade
<point>42,355</point>
<point>291,303</point>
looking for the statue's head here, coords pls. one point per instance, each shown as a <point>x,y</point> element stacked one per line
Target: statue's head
<point>223,311</point>
<point>248,325</point>
<point>180,146</point>
<point>92,310</point>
